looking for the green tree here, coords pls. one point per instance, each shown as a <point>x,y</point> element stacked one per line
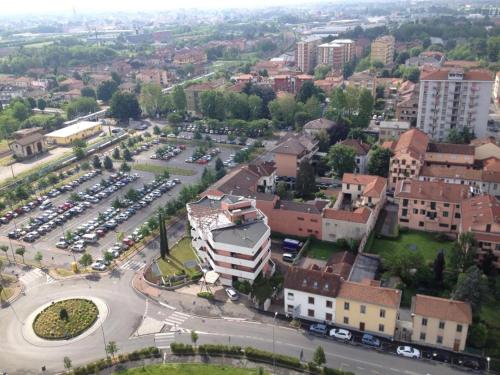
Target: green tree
<point>319,357</point>
<point>307,90</point>
<point>111,348</point>
<point>106,90</point>
<point>38,257</point>
<point>151,99</point>
<point>20,111</point>
<point>96,162</point>
<point>88,92</point>
<point>438,267</point>
<point>108,163</point>
<point>116,78</point>
<point>116,154</point>
<point>338,103</point>
<point>403,265</point>
<point>164,248</point>
<point>255,107</point>
<point>5,249</point>
<point>313,107</point>
<point>21,251</point>
<point>133,195</point>
<point>67,364</point>
<point>471,287</point>
<point>321,71</point>
<point>463,252</point>
<point>81,106</point>
<point>127,156</point>
<point>156,130</point>
<point>41,104</point>
<point>124,167</point>
<point>283,111</point>
<point>477,335</point>
<point>365,108</point>
<point>342,159</point>
<point>179,98</point>
<point>85,260</point>
<point>282,191</point>
<point>213,104</point>
<point>194,337</point>
<point>305,184</point>
<point>379,161</point>
<point>124,106</point>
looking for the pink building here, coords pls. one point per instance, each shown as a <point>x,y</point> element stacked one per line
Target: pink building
<point>289,153</point>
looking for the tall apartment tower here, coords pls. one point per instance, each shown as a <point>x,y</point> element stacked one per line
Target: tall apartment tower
<point>383,49</point>
<point>306,53</point>
<point>454,99</point>
<point>336,53</point>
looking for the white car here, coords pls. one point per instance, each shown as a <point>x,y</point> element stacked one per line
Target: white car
<point>232,294</point>
<point>78,248</point>
<point>98,266</point>
<point>408,352</point>
<point>341,334</point>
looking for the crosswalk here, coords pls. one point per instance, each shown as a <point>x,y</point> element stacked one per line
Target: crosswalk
<point>163,340</point>
<point>35,277</point>
<point>175,320</point>
<point>133,265</point>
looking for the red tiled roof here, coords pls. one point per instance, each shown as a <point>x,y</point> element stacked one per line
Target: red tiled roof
<point>439,171</point>
<point>450,148</point>
<point>312,281</point>
<point>442,308</point>
<point>360,215</point>
<point>432,191</point>
<point>370,294</point>
<point>358,146</point>
<point>373,185</point>
<point>479,211</point>
<point>472,75</point>
<point>413,142</point>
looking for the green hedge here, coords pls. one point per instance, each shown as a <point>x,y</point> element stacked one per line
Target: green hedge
<point>182,349</point>
<point>262,355</point>
<point>206,295</point>
<point>197,276</point>
<point>214,349</point>
<point>334,371</point>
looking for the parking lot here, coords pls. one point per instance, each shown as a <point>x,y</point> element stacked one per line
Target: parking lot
<point>46,244</point>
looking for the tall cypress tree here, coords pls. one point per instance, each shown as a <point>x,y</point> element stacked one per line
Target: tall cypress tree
<point>163,237</point>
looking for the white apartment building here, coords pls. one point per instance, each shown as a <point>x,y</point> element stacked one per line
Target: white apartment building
<point>454,98</point>
<point>336,53</point>
<point>231,236</point>
<point>306,52</point>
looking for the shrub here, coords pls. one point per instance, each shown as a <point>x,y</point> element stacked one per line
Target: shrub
<point>197,276</point>
<point>334,371</point>
<point>342,243</point>
<point>80,371</point>
<point>134,356</point>
<point>181,349</point>
<point>313,368</point>
<point>214,349</point>
<point>206,295</point>
<point>122,358</point>
<point>261,355</point>
<point>243,286</point>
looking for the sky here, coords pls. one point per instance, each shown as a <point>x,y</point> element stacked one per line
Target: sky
<point>63,6</point>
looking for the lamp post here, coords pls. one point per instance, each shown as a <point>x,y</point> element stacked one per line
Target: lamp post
<point>488,359</point>
<point>103,337</point>
<point>274,352</point>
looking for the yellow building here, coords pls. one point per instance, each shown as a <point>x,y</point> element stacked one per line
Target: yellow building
<point>383,49</point>
<point>440,322</point>
<point>368,308</point>
<point>69,134</point>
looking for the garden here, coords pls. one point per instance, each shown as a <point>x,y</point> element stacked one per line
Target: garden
<point>191,369</point>
<point>65,319</point>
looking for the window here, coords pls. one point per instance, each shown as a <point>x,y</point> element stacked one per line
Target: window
<point>362,309</point>
<point>300,218</point>
<point>422,336</point>
<point>404,212</point>
<point>290,296</point>
<point>329,304</point>
<point>382,313</point>
<point>420,223</point>
<point>346,305</point>
<point>405,202</point>
<point>424,321</point>
<point>310,313</point>
<point>445,213</point>
<point>433,205</point>
<point>328,316</point>
<point>457,215</point>
<point>447,205</point>
<point>459,328</point>
<point>439,340</point>
<point>441,325</point>
<point>381,328</point>
<point>290,308</point>
<point>346,320</point>
<point>415,211</point>
<point>311,300</point>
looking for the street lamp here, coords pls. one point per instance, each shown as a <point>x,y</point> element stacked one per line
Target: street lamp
<point>488,359</point>
<point>103,337</point>
<point>274,352</point>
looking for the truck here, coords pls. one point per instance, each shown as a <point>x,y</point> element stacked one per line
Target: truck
<point>90,237</point>
<point>291,246</point>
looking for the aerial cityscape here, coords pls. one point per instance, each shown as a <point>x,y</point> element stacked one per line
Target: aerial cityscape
<point>273,187</point>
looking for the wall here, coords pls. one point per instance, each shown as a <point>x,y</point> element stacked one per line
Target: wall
<point>449,333</point>
<point>439,224</point>
<point>286,165</point>
<point>300,302</point>
<point>334,230</point>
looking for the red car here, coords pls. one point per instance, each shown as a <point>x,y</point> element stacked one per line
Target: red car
<point>182,147</point>
<point>100,232</point>
<point>202,161</point>
<point>19,210</point>
<point>128,241</point>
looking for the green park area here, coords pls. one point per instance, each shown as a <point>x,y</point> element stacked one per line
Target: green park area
<point>191,369</point>
<point>323,250</point>
<point>180,254</point>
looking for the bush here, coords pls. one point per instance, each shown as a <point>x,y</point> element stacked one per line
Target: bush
<point>261,355</point>
<point>197,276</point>
<point>243,287</point>
<point>313,368</point>
<point>181,349</point>
<point>342,244</point>
<point>215,349</point>
<point>80,371</point>
<point>206,295</point>
<point>442,237</point>
<point>334,371</point>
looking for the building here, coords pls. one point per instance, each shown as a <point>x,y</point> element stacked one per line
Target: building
<point>364,80</point>
<point>362,149</point>
<point>289,153</point>
<point>449,154</point>
<point>440,322</point>
<point>383,49</point>
<point>428,58</point>
<point>315,127</point>
<point>306,53</point>
<point>481,216</point>
<point>330,83</point>
<point>155,76</point>
<point>454,99</point>
<point>367,308</point>
<point>409,153</point>
<point>193,95</point>
<point>407,102</point>
<point>388,130</point>
<point>336,53</point>
<point>231,236</point>
<point>496,89</point>
<point>430,205</point>
<point>195,56</point>
<point>28,142</point>
<point>71,133</point>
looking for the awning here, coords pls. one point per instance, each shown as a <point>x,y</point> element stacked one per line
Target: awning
<point>211,277</point>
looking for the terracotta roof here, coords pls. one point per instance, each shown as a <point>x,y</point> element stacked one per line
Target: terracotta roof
<point>431,190</point>
<point>479,211</point>
<point>413,142</point>
<point>29,139</point>
<point>265,168</point>
<point>305,77</point>
<point>370,294</point>
<point>472,75</point>
<point>374,186</point>
<point>295,144</point>
<point>462,64</point>
<point>341,264</point>
<point>442,308</point>
<point>451,148</point>
<point>358,146</point>
<point>241,181</point>
<point>312,281</point>
<point>360,215</point>
<point>321,123</point>
<point>439,171</point>
<point>482,141</point>
<point>491,164</point>
<point>391,145</point>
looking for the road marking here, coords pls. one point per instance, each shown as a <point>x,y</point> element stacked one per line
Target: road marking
<point>133,265</point>
<point>163,340</point>
<point>167,306</point>
<point>36,277</point>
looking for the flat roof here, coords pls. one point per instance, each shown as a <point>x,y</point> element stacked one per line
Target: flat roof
<point>73,129</point>
<point>241,235</point>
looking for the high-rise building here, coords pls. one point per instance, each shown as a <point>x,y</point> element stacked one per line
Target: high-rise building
<point>306,53</point>
<point>454,99</point>
<point>383,49</point>
<point>336,53</point>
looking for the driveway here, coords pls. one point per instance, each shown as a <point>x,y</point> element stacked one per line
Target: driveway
<point>390,217</point>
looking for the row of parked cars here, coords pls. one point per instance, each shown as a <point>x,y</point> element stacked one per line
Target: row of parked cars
<point>30,206</point>
<point>203,158</point>
<point>168,152</point>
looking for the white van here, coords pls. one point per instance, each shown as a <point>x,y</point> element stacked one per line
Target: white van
<point>45,204</point>
<point>90,238</point>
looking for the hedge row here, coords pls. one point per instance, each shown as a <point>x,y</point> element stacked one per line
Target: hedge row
<point>262,355</point>
<point>212,349</point>
<point>182,349</point>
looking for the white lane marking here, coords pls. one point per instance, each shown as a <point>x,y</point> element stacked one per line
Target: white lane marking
<point>167,306</point>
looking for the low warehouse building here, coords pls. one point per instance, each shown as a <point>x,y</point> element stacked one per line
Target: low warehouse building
<point>69,134</point>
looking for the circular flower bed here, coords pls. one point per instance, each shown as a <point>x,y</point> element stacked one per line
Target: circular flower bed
<point>65,319</point>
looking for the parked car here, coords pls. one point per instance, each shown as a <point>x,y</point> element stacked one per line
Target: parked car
<point>318,328</point>
<point>62,245</point>
<point>341,334</point>
<point>408,352</point>
<point>232,294</point>
<point>370,340</point>
<point>97,266</point>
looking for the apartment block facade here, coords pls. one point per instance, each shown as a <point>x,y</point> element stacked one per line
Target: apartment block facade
<point>383,49</point>
<point>306,53</point>
<point>336,53</point>
<point>454,99</point>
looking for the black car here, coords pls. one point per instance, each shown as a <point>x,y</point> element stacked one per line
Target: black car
<point>469,363</point>
<point>438,356</point>
<point>14,235</point>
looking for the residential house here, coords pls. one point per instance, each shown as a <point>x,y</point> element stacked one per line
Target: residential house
<point>362,149</point>
<point>440,322</point>
<point>330,83</point>
<point>155,76</point>
<point>289,153</point>
<point>28,143</point>
<point>388,130</point>
<point>407,102</point>
<point>449,154</point>
<point>315,127</point>
<point>365,79</point>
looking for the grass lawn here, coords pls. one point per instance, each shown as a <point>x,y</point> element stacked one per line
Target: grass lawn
<point>8,284</point>
<point>322,250</point>
<point>4,145</point>
<point>190,369</point>
<point>158,169</point>
<point>426,244</point>
<point>180,253</point>
<point>489,315</point>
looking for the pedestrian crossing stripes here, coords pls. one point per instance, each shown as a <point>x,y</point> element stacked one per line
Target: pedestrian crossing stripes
<point>163,340</point>
<point>176,319</point>
<point>35,277</point>
<point>133,265</point>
